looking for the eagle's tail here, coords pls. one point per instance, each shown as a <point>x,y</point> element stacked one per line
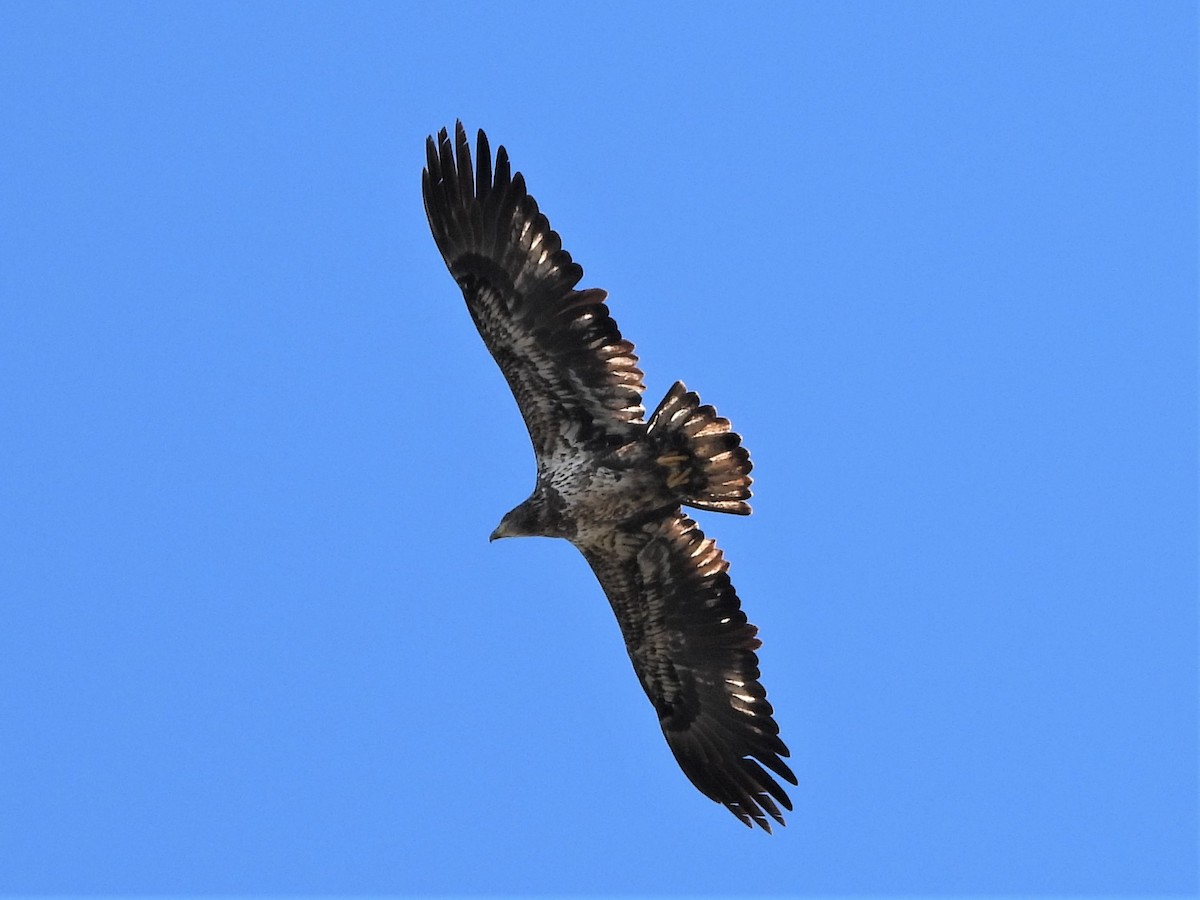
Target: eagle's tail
<point>703,461</point>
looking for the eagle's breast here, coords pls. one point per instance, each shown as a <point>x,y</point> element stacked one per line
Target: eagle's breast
<point>598,487</point>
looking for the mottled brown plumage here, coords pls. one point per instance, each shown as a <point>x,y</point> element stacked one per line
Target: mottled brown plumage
<point>613,483</point>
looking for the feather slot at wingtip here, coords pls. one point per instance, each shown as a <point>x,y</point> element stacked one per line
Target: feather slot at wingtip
<point>466,176</point>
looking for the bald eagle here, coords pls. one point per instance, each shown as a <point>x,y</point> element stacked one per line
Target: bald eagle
<point>612,482</point>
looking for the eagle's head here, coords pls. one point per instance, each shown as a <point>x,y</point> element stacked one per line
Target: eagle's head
<point>531,519</point>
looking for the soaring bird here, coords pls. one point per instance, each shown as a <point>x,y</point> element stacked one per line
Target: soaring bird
<point>612,482</point>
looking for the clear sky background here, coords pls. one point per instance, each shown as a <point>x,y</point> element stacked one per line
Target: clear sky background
<point>936,261</point>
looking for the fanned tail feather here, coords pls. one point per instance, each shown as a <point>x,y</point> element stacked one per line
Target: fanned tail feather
<point>702,459</point>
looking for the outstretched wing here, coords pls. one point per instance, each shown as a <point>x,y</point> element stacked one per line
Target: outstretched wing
<point>559,349</point>
<point>693,652</point>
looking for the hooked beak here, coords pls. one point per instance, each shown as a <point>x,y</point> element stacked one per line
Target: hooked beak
<point>497,534</point>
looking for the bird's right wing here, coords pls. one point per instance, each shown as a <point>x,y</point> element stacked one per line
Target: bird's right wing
<point>560,351</point>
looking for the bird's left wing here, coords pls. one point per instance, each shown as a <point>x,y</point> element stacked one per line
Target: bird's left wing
<point>693,652</point>
<point>559,349</point>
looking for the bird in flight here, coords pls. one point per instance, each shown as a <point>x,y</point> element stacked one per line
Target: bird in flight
<point>613,482</point>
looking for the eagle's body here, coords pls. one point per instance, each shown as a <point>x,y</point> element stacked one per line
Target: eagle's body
<point>613,483</point>
<point>583,491</point>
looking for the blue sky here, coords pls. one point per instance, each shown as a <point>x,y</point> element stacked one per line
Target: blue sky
<point>936,261</point>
